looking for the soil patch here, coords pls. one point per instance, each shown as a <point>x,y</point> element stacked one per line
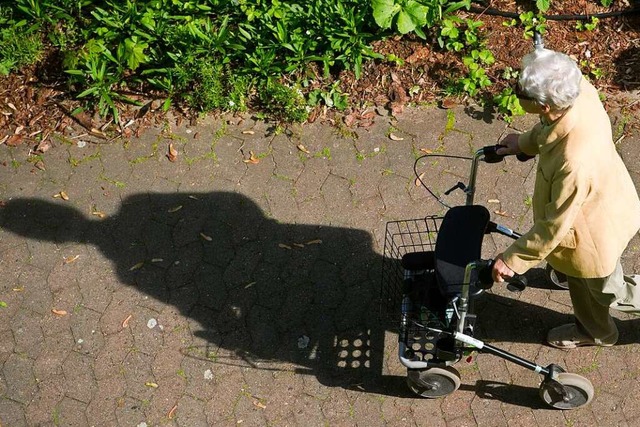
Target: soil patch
<point>35,105</point>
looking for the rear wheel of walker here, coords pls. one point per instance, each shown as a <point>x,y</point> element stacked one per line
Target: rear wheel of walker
<point>579,392</point>
<point>557,278</point>
<point>433,382</point>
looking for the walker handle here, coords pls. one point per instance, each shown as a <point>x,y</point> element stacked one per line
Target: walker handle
<point>491,155</point>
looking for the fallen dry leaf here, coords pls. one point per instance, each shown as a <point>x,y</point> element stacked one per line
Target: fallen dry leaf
<point>282,245</point>
<point>137,266</point>
<point>150,384</point>
<point>252,159</point>
<point>299,245</point>
<point>70,259</point>
<point>125,322</point>
<point>426,151</point>
<point>14,140</point>
<point>175,209</point>
<point>419,54</point>
<point>59,312</point>
<point>172,155</point>
<point>172,412</point>
<point>259,404</point>
<point>303,149</point>
<point>493,201</point>
<point>99,214</point>
<point>448,103</point>
<point>205,237</point>
<point>248,132</point>
<point>369,115</point>
<point>314,242</point>
<point>394,137</point>
<point>61,195</point>
<point>350,119</point>
<point>40,165</point>
<point>419,180</point>
<point>501,213</point>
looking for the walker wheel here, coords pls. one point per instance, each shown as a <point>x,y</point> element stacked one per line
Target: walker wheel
<point>579,392</point>
<point>557,278</point>
<point>433,382</point>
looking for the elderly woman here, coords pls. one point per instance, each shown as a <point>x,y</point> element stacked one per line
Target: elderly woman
<point>585,206</point>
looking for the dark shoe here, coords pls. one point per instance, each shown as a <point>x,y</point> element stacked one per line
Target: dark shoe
<point>567,336</point>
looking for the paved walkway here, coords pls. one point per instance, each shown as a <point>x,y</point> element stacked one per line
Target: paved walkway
<point>211,291</point>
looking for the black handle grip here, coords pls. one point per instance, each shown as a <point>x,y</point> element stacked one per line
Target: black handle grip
<point>491,153</point>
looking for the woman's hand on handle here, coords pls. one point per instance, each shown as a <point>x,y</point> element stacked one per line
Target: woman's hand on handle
<point>501,270</point>
<point>510,143</point>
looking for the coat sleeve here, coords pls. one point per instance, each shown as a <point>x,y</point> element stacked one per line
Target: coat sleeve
<point>569,190</point>
<point>528,141</point>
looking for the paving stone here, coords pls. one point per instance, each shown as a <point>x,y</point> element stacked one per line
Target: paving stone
<point>20,382</point>
<point>258,259</point>
<point>12,413</point>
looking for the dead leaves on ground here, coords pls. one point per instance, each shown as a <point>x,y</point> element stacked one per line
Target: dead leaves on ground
<point>61,195</point>
<point>252,159</point>
<point>300,245</point>
<point>397,95</point>
<point>303,149</point>
<point>172,153</point>
<point>363,119</point>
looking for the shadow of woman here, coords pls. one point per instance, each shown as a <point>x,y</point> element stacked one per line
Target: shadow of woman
<point>260,290</point>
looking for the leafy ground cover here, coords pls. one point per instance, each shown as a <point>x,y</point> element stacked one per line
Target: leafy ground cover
<point>104,69</point>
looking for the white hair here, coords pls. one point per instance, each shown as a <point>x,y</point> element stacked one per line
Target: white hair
<point>551,78</point>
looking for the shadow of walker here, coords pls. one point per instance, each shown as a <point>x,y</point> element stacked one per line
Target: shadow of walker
<point>257,293</point>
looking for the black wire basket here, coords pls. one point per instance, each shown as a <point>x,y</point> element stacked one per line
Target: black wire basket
<point>411,236</point>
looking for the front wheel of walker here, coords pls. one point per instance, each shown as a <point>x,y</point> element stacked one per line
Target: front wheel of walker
<point>433,383</point>
<point>558,279</point>
<point>578,391</point>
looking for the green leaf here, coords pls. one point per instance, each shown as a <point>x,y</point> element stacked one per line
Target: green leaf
<point>134,52</point>
<point>405,23</point>
<point>384,11</point>
<point>543,5</point>
<point>3,304</point>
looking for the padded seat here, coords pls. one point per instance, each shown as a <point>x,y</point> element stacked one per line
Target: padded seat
<point>459,242</point>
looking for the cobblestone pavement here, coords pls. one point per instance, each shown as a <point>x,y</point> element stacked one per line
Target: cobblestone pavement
<point>211,291</point>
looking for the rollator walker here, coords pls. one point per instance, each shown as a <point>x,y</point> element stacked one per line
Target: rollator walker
<point>432,270</point>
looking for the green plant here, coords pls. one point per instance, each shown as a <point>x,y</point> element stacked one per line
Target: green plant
<point>332,97</point>
<point>588,26</point>
<point>213,86</point>
<point>508,105</point>
<point>283,103</point>
<point>533,23</point>
<point>591,70</point>
<point>543,5</point>
<point>412,15</point>
<point>19,46</point>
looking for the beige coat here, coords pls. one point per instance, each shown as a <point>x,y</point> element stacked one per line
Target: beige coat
<point>585,206</point>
